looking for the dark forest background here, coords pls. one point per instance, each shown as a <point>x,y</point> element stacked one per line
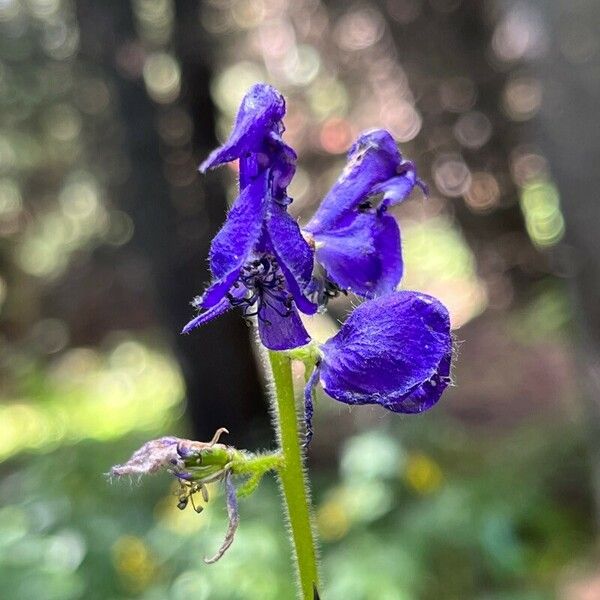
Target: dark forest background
<point>107,108</point>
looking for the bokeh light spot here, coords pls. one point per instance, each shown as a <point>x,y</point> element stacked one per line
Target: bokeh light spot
<point>451,175</point>
<point>522,98</point>
<point>540,203</point>
<point>473,130</point>
<point>403,120</point>
<point>162,76</point>
<point>457,94</point>
<point>336,135</point>
<point>423,474</point>
<point>11,202</point>
<point>359,29</point>
<point>302,65</point>
<point>483,193</point>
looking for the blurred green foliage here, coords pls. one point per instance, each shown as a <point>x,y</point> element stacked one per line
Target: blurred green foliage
<point>88,393</point>
<point>415,511</point>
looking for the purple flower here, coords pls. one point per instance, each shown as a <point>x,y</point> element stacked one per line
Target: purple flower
<point>356,242</point>
<point>394,351</point>
<point>262,262</point>
<point>259,259</point>
<point>259,286</point>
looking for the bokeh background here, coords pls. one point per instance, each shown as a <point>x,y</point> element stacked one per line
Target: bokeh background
<point>106,108</point>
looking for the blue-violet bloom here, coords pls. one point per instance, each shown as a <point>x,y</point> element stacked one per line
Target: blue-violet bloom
<point>394,351</point>
<point>355,240</point>
<point>259,259</point>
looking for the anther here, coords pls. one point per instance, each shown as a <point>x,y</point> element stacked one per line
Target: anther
<point>198,509</point>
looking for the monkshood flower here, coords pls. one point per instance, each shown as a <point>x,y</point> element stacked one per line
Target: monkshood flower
<point>259,259</point>
<point>394,351</point>
<point>256,139</point>
<point>355,241</point>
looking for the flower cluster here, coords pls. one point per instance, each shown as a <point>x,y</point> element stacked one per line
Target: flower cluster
<point>395,349</point>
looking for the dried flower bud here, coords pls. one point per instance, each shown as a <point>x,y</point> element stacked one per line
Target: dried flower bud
<point>195,464</point>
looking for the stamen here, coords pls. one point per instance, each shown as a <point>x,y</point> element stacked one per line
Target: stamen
<point>333,290</point>
<point>187,495</point>
<point>198,509</point>
<point>203,491</point>
<point>266,285</point>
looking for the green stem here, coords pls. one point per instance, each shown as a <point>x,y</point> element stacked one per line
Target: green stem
<point>296,496</point>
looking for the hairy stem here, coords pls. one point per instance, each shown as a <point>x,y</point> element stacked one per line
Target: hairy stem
<point>296,496</point>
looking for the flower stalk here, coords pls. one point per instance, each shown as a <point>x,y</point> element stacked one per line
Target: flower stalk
<point>294,484</point>
<point>394,350</point>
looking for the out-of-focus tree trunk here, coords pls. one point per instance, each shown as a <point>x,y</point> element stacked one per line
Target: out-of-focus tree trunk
<point>571,131</point>
<point>220,375</point>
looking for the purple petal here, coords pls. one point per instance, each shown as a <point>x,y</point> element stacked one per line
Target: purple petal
<point>396,189</point>
<point>217,290</point>
<point>280,328</point>
<point>283,168</point>
<point>374,158</point>
<point>259,114</point>
<point>389,249</point>
<point>293,253</point>
<point>394,351</point>
<point>150,458</point>
<point>362,255</point>
<point>241,231</point>
<point>424,396</point>
<point>215,311</point>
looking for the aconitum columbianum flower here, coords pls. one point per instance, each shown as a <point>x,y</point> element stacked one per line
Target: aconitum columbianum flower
<point>259,259</point>
<point>394,351</point>
<point>355,240</point>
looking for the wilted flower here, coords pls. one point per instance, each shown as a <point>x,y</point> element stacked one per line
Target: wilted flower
<point>195,464</point>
